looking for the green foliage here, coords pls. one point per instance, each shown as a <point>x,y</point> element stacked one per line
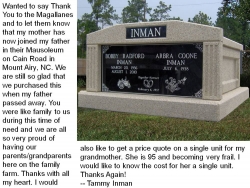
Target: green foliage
<point>135,11</point>
<point>245,80</point>
<point>246,61</point>
<point>81,83</point>
<point>106,125</point>
<point>238,8</point>
<point>103,12</point>
<point>245,77</point>
<point>232,17</point>
<point>232,27</point>
<point>201,18</point>
<point>175,18</point>
<point>84,26</point>
<point>161,12</point>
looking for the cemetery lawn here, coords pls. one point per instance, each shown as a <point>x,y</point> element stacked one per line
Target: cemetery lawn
<point>110,126</point>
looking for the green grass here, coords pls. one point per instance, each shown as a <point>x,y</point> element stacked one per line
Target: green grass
<point>106,125</point>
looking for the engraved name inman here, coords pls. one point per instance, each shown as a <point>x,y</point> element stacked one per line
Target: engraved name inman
<point>146,32</point>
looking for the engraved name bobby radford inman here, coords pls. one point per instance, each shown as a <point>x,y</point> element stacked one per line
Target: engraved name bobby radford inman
<point>146,32</point>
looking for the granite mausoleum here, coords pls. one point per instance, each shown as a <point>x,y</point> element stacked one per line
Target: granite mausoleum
<point>170,68</point>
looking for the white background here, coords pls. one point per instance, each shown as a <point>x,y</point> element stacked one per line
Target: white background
<point>67,143</point>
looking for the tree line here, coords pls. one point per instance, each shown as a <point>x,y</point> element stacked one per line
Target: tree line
<point>233,16</point>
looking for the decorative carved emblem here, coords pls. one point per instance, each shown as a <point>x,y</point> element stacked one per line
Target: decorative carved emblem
<point>105,88</point>
<point>198,94</point>
<point>105,49</point>
<point>148,83</point>
<point>123,83</point>
<point>199,47</point>
<point>173,85</point>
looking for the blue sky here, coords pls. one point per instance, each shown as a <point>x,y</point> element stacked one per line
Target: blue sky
<point>180,8</point>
